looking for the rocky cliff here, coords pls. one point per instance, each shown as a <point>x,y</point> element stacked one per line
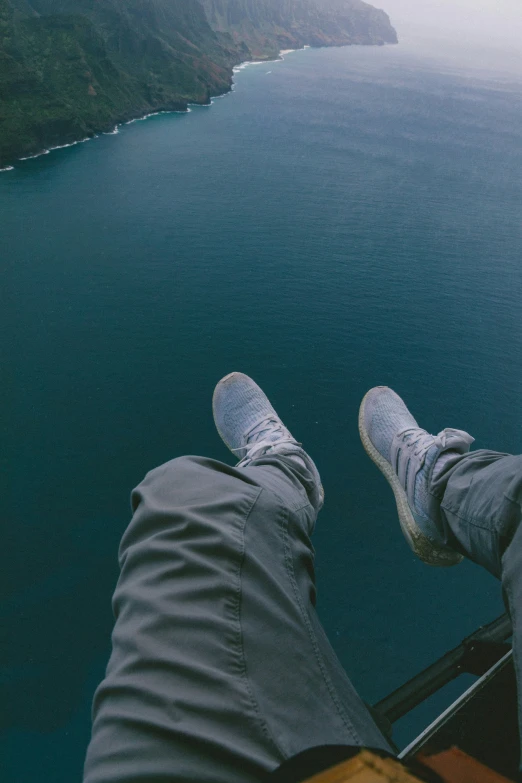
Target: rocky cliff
<point>72,68</point>
<point>267,26</point>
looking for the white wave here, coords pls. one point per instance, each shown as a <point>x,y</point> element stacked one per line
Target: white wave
<point>145,117</point>
<point>7,168</point>
<point>281,56</point>
<point>268,72</point>
<point>38,154</point>
<point>155,114</point>
<point>248,63</point>
<point>289,51</point>
<point>72,144</point>
<point>112,132</point>
<point>58,147</point>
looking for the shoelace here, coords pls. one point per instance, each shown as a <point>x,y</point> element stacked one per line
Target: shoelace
<point>255,442</point>
<point>421,441</point>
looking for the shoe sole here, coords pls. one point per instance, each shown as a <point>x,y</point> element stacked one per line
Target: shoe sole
<point>421,545</point>
<point>230,374</point>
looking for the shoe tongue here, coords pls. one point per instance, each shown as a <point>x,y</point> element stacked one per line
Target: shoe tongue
<point>458,440</point>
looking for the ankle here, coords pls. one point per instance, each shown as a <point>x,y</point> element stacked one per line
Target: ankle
<point>444,463</point>
<point>430,484</point>
<point>304,469</point>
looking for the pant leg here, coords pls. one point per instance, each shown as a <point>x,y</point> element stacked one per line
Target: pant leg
<point>478,506</point>
<point>477,503</point>
<point>220,669</point>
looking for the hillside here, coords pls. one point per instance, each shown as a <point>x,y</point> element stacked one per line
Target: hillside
<point>268,26</point>
<point>72,68</point>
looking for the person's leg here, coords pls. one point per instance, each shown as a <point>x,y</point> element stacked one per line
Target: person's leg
<point>451,500</point>
<point>477,506</point>
<point>479,498</point>
<point>220,668</point>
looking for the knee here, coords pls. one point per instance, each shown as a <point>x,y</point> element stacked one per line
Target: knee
<point>189,500</point>
<point>514,488</point>
<point>174,480</point>
<point>191,486</point>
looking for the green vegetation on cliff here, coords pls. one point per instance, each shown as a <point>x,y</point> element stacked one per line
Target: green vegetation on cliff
<point>72,68</point>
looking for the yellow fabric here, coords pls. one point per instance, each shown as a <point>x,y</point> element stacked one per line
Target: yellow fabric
<point>366,768</point>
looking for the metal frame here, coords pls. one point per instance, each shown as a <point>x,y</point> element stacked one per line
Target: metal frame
<point>417,744</point>
<point>477,654</point>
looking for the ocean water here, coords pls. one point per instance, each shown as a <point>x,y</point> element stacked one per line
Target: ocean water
<point>345,218</point>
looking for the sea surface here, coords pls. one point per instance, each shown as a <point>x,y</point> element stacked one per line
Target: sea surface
<point>345,218</point>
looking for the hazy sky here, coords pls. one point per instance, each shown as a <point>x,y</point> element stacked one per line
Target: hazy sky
<point>476,21</point>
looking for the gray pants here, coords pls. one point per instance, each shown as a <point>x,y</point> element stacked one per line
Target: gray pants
<point>220,668</point>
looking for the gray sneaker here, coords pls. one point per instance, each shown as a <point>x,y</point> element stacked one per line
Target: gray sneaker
<point>406,454</point>
<point>250,427</point>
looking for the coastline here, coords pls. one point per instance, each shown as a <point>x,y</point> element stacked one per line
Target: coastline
<point>94,136</point>
<point>140,118</point>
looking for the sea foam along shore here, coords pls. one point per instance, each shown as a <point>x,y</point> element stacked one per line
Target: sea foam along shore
<point>247,63</point>
<point>115,130</point>
<point>112,132</point>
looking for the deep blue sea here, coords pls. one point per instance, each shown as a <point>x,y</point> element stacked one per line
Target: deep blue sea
<point>345,218</point>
